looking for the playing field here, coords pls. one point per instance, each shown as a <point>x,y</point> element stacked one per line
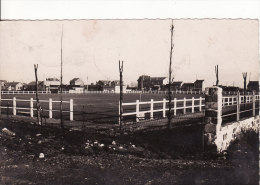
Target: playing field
<point>99,108</point>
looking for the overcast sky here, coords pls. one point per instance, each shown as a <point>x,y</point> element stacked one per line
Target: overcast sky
<point>92,49</point>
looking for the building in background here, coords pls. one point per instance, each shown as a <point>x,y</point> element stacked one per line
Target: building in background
<point>76,82</point>
<point>32,86</point>
<point>187,86</point>
<point>198,85</point>
<point>52,84</point>
<point>253,86</point>
<point>146,82</point>
<point>14,86</point>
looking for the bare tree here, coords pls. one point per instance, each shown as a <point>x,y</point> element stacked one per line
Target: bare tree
<point>37,96</point>
<point>121,92</point>
<point>216,71</point>
<point>170,80</point>
<point>61,114</point>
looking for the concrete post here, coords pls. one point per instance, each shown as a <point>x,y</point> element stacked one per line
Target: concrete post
<point>164,107</point>
<point>14,105</point>
<point>200,106</point>
<point>184,105</point>
<point>192,105</point>
<point>175,106</point>
<point>71,109</point>
<point>50,108</point>
<point>137,110</point>
<point>151,109</point>
<point>253,100</point>
<point>31,107</point>
<point>213,112</point>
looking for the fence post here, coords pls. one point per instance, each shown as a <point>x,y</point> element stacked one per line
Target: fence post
<point>164,107</point>
<point>200,105</point>
<point>31,107</point>
<point>192,105</point>
<point>151,109</point>
<point>50,108</point>
<point>213,116</point>
<point>71,109</point>
<point>184,105</point>
<point>175,107</point>
<point>238,105</point>
<point>253,100</point>
<point>14,105</point>
<point>232,101</point>
<point>137,110</point>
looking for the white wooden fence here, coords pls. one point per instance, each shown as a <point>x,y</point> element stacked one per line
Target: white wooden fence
<point>25,92</point>
<point>31,108</point>
<point>232,100</point>
<point>184,107</point>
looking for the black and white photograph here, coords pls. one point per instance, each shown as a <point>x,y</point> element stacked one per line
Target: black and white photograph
<point>129,101</point>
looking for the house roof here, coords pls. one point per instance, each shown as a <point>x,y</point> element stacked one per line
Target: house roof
<point>199,81</point>
<point>3,81</point>
<point>34,83</point>
<point>74,79</point>
<point>158,78</point>
<point>254,83</point>
<point>177,83</point>
<point>187,84</point>
<point>12,83</point>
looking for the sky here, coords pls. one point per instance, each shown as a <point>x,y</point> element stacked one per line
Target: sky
<point>92,49</point>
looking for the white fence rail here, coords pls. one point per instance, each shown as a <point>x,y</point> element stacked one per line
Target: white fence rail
<point>25,92</point>
<point>31,108</point>
<point>232,100</point>
<point>133,92</point>
<point>139,114</point>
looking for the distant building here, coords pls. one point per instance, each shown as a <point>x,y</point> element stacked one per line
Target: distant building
<point>103,83</point>
<point>32,86</point>
<point>253,86</point>
<point>198,85</point>
<point>146,82</point>
<point>3,84</point>
<point>176,85</point>
<point>14,86</point>
<point>187,86</point>
<point>52,84</point>
<point>229,88</point>
<point>77,82</point>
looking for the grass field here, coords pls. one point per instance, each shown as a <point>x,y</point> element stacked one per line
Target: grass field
<point>99,108</point>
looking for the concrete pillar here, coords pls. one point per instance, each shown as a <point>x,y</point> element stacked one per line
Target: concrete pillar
<point>164,108</point>
<point>213,113</point>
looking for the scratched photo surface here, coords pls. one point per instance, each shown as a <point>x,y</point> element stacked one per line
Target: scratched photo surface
<point>159,101</point>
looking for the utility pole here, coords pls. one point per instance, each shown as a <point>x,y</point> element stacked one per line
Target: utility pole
<point>0,97</point>
<point>216,71</point>
<point>244,76</point>
<point>170,81</point>
<point>121,92</point>
<point>61,114</point>
<point>37,97</point>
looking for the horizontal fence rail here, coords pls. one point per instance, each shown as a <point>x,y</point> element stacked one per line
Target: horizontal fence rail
<point>243,104</point>
<point>178,104</point>
<point>25,92</point>
<point>30,109</point>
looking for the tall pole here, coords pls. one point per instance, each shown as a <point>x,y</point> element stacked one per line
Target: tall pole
<point>216,71</point>
<point>244,76</point>
<point>61,114</point>
<point>37,97</point>
<point>121,92</point>
<point>0,97</point>
<point>170,81</point>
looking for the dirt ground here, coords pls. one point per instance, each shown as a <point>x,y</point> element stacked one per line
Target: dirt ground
<point>45,155</point>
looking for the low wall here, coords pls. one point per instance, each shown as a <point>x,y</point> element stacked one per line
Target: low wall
<point>229,132</point>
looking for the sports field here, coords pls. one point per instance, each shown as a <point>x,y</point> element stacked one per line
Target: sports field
<point>98,108</point>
